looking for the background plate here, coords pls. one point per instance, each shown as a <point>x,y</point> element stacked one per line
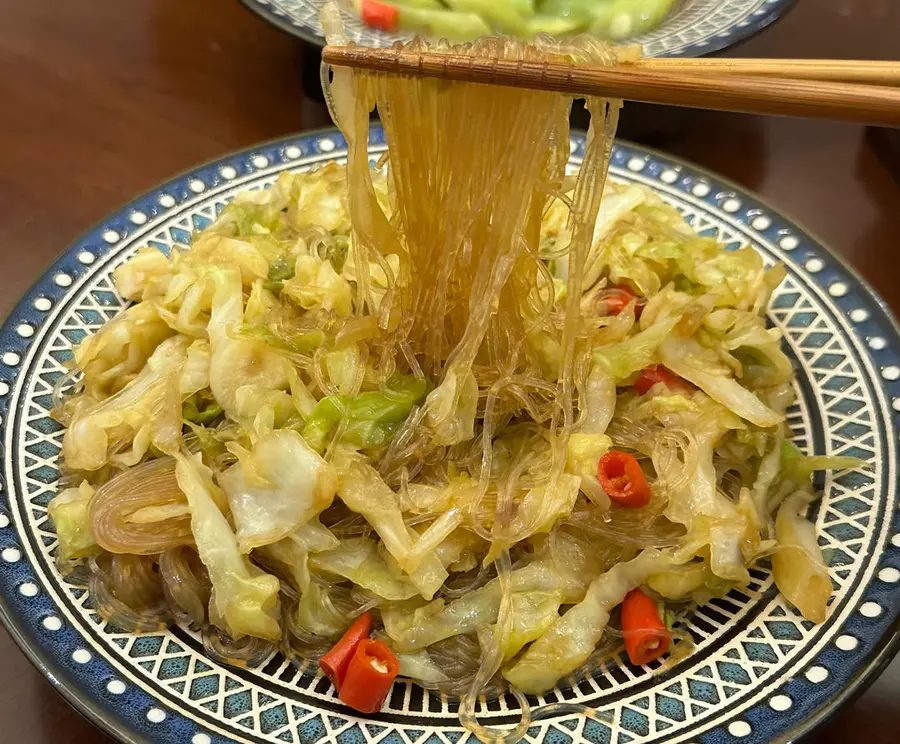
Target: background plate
<point>759,673</point>
<point>694,28</point>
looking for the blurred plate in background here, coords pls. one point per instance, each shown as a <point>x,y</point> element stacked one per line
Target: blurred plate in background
<point>694,28</point>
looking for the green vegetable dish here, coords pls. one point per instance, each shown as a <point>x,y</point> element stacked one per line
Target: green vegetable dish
<point>463,20</point>
<point>503,424</point>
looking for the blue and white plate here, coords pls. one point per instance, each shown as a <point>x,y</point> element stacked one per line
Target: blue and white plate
<point>694,27</point>
<point>759,673</point>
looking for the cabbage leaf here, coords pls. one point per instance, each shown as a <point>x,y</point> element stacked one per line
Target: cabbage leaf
<point>70,511</point>
<point>245,376</point>
<point>797,564</point>
<point>623,359</point>
<point>370,418</point>
<point>358,560</point>
<point>571,639</point>
<point>290,554</point>
<point>532,614</point>
<point>415,626</point>
<point>276,487</point>
<point>420,666</point>
<point>146,411</point>
<point>797,468</point>
<point>451,407</point>
<point>685,358</point>
<point>244,598</point>
<point>116,354</point>
<point>363,491</point>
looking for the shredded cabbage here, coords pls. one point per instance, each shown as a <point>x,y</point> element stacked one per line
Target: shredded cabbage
<point>70,511</point>
<point>275,488</point>
<point>799,569</point>
<point>571,639</point>
<point>245,599</point>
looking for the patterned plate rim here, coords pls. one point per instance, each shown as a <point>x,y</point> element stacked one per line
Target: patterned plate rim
<point>717,43</point>
<point>104,714</point>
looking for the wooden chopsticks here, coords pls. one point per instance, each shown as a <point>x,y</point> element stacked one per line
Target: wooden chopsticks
<point>872,72</point>
<point>713,84</point>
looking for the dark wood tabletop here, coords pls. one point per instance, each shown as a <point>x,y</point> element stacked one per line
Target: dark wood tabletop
<point>101,100</point>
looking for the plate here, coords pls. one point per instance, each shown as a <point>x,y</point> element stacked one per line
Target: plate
<point>694,28</point>
<point>759,672</point>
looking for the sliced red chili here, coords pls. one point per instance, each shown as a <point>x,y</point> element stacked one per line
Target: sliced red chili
<point>369,677</point>
<point>646,636</point>
<point>380,15</point>
<point>623,480</point>
<point>615,299</point>
<point>334,664</point>
<point>659,374</point>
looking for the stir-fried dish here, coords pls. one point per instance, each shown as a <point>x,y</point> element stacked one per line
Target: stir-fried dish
<point>464,20</point>
<point>450,416</point>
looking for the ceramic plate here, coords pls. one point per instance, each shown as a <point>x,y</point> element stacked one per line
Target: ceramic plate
<point>694,28</point>
<point>759,672</point>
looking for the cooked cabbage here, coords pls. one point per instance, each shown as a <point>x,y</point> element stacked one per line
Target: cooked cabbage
<point>799,569</point>
<point>245,599</point>
<point>70,511</point>
<point>275,488</point>
<point>571,639</point>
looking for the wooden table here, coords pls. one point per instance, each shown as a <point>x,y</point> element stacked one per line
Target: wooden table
<point>101,100</point>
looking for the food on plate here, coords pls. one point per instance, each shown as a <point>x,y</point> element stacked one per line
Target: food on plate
<point>464,20</point>
<point>454,417</point>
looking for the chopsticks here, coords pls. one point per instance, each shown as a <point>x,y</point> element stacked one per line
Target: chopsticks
<point>718,86</point>
<point>874,72</point>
